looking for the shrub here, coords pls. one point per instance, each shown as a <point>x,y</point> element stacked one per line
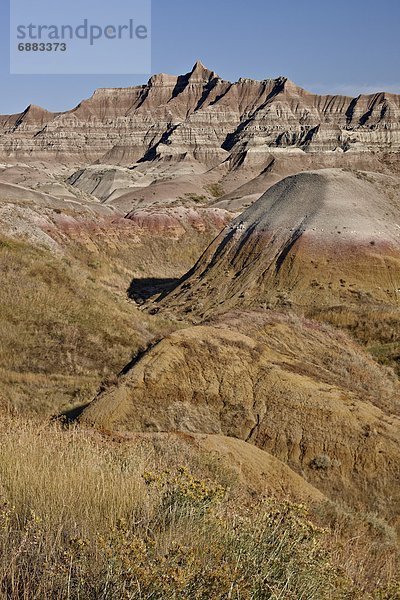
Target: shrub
<point>88,516</point>
<point>216,190</point>
<point>321,461</point>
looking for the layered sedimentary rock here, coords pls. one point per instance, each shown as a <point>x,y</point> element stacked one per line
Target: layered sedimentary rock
<point>176,221</point>
<point>302,392</point>
<point>201,117</point>
<point>317,239</point>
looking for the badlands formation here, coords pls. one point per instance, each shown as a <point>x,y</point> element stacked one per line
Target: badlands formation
<point>301,392</point>
<point>314,240</point>
<point>201,117</point>
<point>319,239</point>
<point>181,259</point>
<point>195,140</point>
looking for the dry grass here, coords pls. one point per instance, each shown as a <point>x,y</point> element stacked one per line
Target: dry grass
<point>62,331</point>
<point>321,351</point>
<point>376,328</point>
<point>86,517</point>
<point>216,190</point>
<point>65,320</point>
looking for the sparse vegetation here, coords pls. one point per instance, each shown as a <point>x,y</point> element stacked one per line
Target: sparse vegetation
<point>216,190</point>
<point>241,444</point>
<point>66,323</point>
<point>87,516</point>
<point>197,198</point>
<point>322,461</point>
<point>378,329</point>
<point>62,331</point>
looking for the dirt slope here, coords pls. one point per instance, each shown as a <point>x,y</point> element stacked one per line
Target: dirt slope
<point>303,393</point>
<point>314,240</point>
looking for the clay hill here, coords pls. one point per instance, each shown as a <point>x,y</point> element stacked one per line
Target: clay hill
<point>316,240</point>
<point>298,390</point>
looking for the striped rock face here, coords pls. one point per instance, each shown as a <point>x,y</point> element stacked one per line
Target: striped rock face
<point>201,117</point>
<point>314,240</point>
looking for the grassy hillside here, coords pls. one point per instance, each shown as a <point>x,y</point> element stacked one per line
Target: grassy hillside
<point>61,330</point>
<point>87,516</point>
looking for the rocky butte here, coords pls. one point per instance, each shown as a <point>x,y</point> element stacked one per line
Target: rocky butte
<point>202,118</point>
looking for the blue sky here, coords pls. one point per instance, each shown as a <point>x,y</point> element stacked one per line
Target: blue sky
<point>340,46</point>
